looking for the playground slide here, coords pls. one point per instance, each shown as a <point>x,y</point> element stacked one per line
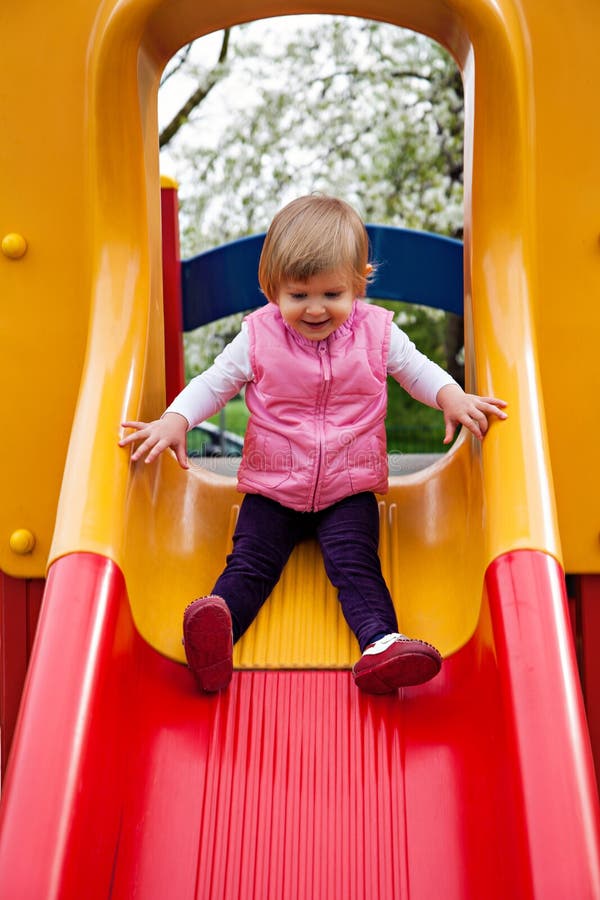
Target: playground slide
<point>125,782</point>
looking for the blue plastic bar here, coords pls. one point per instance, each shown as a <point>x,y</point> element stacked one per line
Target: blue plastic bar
<point>414,266</point>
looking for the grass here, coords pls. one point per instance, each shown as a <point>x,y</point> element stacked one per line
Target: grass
<point>236,416</point>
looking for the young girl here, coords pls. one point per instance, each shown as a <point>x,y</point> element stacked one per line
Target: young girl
<point>314,362</point>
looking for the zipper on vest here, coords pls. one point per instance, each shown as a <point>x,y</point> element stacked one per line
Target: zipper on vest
<point>325,366</point>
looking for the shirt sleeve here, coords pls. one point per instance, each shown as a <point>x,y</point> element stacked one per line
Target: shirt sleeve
<point>209,392</point>
<point>414,371</point>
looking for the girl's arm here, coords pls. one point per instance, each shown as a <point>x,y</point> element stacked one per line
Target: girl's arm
<point>199,400</point>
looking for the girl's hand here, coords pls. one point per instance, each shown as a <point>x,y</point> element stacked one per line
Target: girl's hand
<point>469,410</point>
<point>170,431</point>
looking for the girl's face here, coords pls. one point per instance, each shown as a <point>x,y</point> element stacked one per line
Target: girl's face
<point>316,307</point>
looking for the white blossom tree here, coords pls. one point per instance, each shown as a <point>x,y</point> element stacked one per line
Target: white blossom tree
<point>365,110</point>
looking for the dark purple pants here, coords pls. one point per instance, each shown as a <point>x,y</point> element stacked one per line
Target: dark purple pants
<point>348,535</point>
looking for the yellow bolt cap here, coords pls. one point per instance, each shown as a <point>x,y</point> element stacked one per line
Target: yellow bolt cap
<point>14,245</point>
<point>22,541</point>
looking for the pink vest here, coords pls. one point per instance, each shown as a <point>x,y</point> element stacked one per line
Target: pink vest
<point>316,432</point>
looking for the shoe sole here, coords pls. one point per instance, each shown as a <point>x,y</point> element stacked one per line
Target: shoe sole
<point>208,643</point>
<point>405,670</point>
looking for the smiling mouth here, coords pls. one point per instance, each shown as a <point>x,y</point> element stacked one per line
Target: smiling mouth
<point>316,324</point>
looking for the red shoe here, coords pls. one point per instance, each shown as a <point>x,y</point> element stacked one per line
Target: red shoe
<point>395,661</point>
<point>208,642</point>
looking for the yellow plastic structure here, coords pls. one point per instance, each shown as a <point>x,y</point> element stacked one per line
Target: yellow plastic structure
<point>81,336</point>
<point>14,246</point>
<point>22,541</point>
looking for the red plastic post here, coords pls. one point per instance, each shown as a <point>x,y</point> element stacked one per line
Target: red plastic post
<point>173,315</point>
<point>551,745</point>
<point>20,602</point>
<point>588,590</point>
<point>64,772</point>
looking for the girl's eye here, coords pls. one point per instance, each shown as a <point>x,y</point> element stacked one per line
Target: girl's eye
<point>298,296</point>
<point>332,295</point>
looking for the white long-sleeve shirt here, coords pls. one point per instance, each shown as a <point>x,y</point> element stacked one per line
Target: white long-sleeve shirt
<point>206,394</point>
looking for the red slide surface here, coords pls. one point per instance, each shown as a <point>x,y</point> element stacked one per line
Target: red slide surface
<point>125,782</point>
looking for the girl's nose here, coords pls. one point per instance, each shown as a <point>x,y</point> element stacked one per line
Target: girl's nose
<point>315,308</point>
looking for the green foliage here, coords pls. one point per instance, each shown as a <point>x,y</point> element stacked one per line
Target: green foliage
<point>236,416</point>
<point>412,427</point>
<point>204,343</point>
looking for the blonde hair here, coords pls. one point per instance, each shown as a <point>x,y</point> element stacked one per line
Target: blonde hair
<point>310,236</point>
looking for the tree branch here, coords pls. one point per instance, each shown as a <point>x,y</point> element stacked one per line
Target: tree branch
<point>357,73</point>
<point>180,61</point>
<point>182,116</point>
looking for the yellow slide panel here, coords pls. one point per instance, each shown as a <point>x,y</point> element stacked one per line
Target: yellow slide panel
<point>179,532</point>
<point>81,187</point>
